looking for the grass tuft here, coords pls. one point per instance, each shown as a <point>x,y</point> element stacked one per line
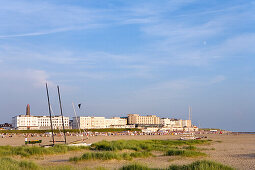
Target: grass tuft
<point>201,165</point>
<point>186,153</point>
<point>8,163</point>
<point>26,151</point>
<point>190,147</point>
<point>198,165</point>
<point>109,155</point>
<point>148,145</point>
<point>135,167</point>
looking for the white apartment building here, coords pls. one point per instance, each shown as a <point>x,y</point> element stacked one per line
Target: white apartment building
<point>137,119</point>
<point>44,122</point>
<point>116,122</point>
<point>26,122</point>
<point>98,122</point>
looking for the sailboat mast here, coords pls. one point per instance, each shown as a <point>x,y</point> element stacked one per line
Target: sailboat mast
<point>53,141</point>
<point>78,124</point>
<point>61,111</point>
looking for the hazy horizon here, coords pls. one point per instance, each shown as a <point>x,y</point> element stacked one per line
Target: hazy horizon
<point>119,57</point>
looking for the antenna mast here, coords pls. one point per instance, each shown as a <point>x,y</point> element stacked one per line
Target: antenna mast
<point>189,112</point>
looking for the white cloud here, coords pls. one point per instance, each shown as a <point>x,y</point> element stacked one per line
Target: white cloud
<point>217,79</point>
<point>242,44</point>
<point>28,77</point>
<point>174,87</point>
<point>41,18</point>
<point>57,30</point>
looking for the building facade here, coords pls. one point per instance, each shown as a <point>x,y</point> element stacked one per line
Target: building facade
<point>44,122</point>
<point>116,122</point>
<point>26,122</point>
<point>137,119</point>
<point>81,122</point>
<point>178,123</point>
<point>98,122</point>
<point>166,122</point>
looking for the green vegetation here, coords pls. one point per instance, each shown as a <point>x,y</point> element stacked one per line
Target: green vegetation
<point>186,153</point>
<point>135,167</point>
<point>190,147</point>
<point>72,130</point>
<point>148,145</point>
<point>198,165</point>
<point>8,163</point>
<point>105,150</point>
<point>201,165</point>
<point>26,151</point>
<point>108,155</point>
<point>140,148</point>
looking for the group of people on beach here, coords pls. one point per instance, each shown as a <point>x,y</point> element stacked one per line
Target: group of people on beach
<point>90,134</point>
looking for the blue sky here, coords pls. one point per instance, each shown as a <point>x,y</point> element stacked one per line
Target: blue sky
<point>121,57</point>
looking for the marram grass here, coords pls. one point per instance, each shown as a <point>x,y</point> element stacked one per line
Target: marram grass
<point>148,145</point>
<point>186,153</point>
<point>201,165</point>
<point>26,151</point>
<point>109,155</point>
<point>198,165</point>
<point>10,164</point>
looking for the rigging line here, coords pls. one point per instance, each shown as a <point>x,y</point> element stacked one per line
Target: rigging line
<point>84,132</point>
<point>77,120</point>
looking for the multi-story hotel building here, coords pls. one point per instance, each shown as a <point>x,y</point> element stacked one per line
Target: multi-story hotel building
<point>81,122</point>
<point>137,119</point>
<point>116,122</point>
<point>98,122</point>
<point>26,122</point>
<point>44,122</point>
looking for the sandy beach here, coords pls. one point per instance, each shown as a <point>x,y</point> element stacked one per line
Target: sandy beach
<point>234,150</point>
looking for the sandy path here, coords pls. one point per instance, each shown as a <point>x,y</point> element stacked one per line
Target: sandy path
<point>234,150</point>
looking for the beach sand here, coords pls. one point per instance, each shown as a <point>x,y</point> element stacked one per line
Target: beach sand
<point>237,151</point>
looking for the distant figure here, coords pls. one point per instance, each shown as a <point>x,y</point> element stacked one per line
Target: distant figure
<point>28,110</point>
<point>25,140</point>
